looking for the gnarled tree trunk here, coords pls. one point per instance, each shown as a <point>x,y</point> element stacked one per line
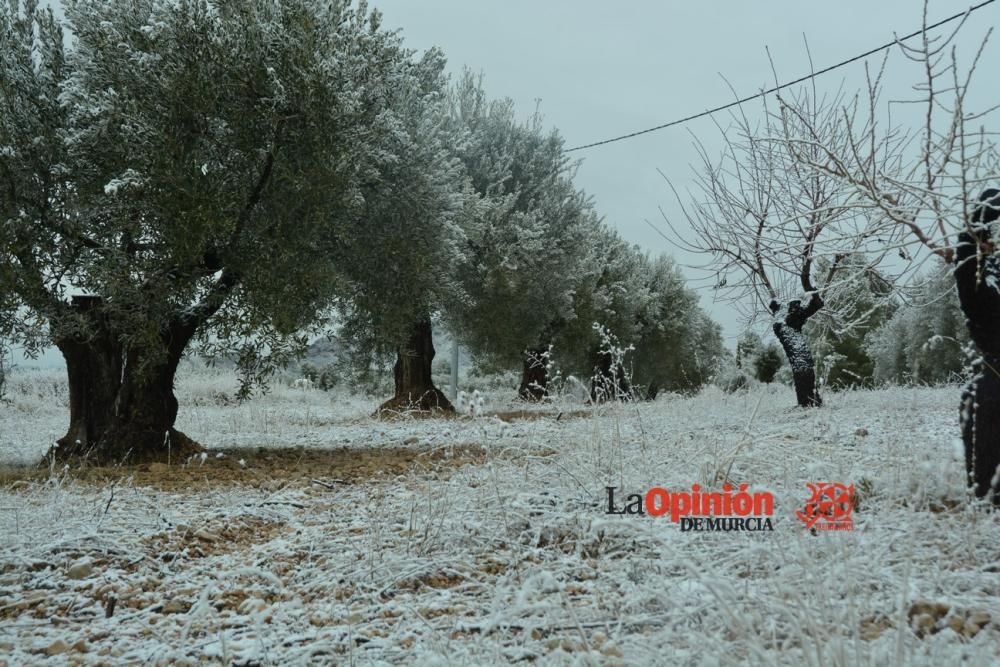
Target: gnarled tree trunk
<point>414,385</point>
<point>121,400</point>
<point>979,294</point>
<point>535,374</point>
<point>797,351</point>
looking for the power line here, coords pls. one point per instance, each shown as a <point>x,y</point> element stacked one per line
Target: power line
<point>738,102</point>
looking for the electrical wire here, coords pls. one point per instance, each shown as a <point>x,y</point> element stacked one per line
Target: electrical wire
<point>775,89</point>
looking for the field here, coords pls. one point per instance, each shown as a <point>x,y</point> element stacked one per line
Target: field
<point>313,533</point>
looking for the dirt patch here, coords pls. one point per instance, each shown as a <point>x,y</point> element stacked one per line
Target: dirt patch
<point>208,540</point>
<point>405,414</point>
<point>269,468</point>
<point>535,415</point>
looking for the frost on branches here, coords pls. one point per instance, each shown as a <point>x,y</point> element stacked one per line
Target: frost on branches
<point>183,175</point>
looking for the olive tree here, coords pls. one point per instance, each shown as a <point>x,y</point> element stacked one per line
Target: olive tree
<point>398,260</point>
<point>185,172</point>
<point>523,259</point>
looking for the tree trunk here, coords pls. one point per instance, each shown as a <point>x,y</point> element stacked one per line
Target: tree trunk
<point>535,374</point>
<point>652,391</point>
<point>800,358</point>
<point>415,390</point>
<point>609,381</point>
<point>796,347</point>
<point>122,404</point>
<point>979,295</point>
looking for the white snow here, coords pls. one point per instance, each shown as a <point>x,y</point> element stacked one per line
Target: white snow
<point>511,558</point>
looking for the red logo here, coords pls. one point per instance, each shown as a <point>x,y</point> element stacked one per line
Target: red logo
<point>829,507</point>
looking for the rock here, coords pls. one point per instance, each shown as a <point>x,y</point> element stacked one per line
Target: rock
<point>979,617</point>
<point>81,646</point>
<point>206,535</point>
<point>612,651</point>
<point>81,569</point>
<point>58,647</point>
<point>956,623</point>
<point>412,440</point>
<point>861,432</point>
<point>176,606</point>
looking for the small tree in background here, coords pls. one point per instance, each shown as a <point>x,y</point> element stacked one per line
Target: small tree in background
<point>766,221</point>
<point>865,303</point>
<point>767,363</point>
<point>748,346</point>
<point>676,346</point>
<point>616,298</point>
<point>925,341</point>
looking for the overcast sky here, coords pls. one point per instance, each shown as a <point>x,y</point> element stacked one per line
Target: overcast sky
<point>602,69</point>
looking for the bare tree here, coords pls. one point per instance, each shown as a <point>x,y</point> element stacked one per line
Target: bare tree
<point>776,231</point>
<point>926,193</point>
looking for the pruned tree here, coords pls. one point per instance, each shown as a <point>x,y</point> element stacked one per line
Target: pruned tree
<point>767,363</point>
<point>776,233</point>
<point>928,190</point>
<point>183,173</point>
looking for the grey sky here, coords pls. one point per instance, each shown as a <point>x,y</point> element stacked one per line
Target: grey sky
<point>602,69</point>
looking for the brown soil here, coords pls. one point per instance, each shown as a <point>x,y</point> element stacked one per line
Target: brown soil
<point>269,467</point>
<point>535,415</point>
<point>223,536</point>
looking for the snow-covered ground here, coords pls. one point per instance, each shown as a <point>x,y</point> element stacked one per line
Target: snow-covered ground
<point>482,541</point>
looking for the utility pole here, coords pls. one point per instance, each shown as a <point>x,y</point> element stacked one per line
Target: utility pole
<point>454,369</point>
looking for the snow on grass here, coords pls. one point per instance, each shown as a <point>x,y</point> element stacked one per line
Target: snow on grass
<point>509,556</point>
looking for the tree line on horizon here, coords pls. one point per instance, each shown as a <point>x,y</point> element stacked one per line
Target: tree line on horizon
<point>235,178</point>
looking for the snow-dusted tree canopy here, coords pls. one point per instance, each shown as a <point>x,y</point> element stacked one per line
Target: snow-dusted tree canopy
<point>524,256</point>
<point>398,258</point>
<point>190,161</point>
<point>925,341</point>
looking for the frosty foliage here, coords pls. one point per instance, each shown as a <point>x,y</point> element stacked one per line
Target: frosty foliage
<point>839,332</point>
<point>525,253</point>
<point>196,162</point>
<point>507,557</point>
<point>677,346</point>
<point>398,254</point>
<point>488,234</point>
<point>926,340</point>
